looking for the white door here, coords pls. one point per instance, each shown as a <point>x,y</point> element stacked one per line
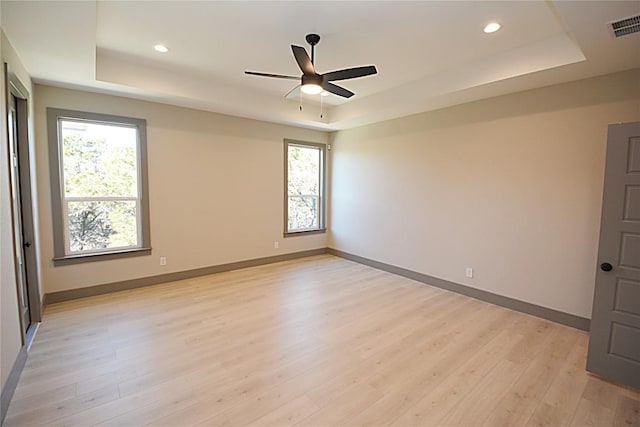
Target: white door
<point>614,343</point>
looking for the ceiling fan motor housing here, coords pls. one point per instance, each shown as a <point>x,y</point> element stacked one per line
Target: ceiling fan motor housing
<point>311,79</point>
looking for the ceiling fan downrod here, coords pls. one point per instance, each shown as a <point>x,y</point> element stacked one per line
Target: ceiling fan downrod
<point>313,40</point>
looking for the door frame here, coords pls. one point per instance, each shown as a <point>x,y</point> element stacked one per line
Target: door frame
<point>15,88</point>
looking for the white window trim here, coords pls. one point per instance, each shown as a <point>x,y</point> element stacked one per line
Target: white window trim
<point>62,255</point>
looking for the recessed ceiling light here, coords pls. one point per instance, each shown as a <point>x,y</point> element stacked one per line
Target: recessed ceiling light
<point>492,27</point>
<point>161,48</point>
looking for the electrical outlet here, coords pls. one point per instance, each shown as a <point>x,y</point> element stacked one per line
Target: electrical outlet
<point>469,272</point>
<point>276,245</point>
<point>163,260</point>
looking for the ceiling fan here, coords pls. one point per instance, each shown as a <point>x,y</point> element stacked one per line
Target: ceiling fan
<point>313,83</point>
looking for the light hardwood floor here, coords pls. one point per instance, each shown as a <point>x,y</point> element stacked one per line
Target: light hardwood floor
<point>316,341</point>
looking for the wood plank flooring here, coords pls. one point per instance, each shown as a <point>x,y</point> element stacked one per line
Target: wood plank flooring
<point>312,342</point>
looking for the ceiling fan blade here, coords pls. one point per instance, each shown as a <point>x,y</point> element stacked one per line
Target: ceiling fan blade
<point>303,60</point>
<point>293,93</point>
<point>277,76</point>
<point>349,73</point>
<point>337,90</point>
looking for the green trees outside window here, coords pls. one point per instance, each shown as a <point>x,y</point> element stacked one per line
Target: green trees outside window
<point>98,183</point>
<point>305,187</point>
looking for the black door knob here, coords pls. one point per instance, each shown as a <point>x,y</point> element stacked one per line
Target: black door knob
<point>605,266</point>
<point>27,244</point>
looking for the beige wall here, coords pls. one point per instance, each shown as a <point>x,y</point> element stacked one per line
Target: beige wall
<point>509,186</point>
<point>215,187</point>
<point>11,340</point>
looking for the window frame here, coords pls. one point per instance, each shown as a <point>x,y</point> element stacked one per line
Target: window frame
<point>58,203</point>
<point>322,191</point>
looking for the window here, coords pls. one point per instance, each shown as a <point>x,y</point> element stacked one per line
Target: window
<point>304,183</point>
<point>98,185</point>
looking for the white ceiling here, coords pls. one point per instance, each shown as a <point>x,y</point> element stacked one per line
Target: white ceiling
<point>429,54</point>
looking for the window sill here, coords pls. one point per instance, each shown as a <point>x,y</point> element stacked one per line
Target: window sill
<point>305,232</point>
<point>101,256</point>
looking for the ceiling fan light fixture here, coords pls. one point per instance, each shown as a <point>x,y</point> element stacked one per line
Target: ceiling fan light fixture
<point>311,84</point>
<point>311,88</point>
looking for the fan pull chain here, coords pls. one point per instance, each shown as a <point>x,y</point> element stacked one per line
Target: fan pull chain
<point>301,100</point>
<point>321,116</point>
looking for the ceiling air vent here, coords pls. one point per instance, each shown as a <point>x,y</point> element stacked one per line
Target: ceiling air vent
<point>626,26</point>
